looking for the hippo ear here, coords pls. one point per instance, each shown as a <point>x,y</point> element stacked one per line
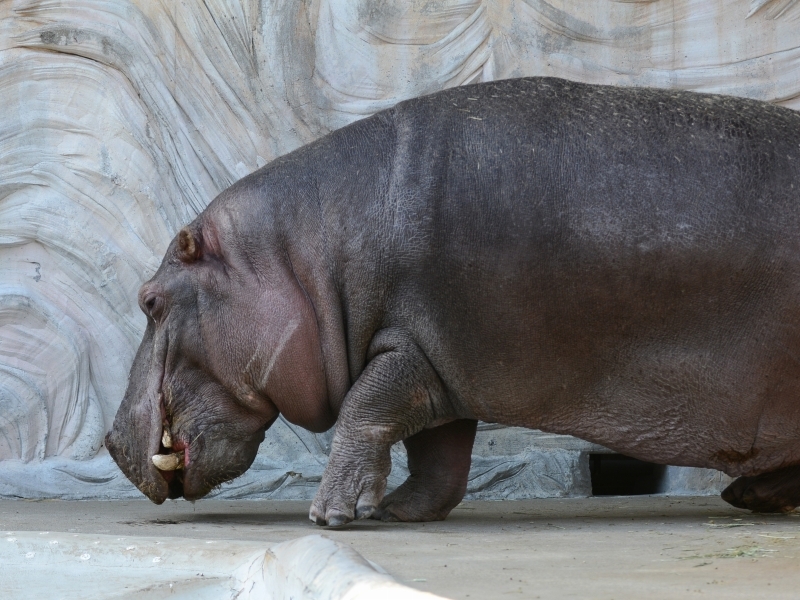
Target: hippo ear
<point>189,246</point>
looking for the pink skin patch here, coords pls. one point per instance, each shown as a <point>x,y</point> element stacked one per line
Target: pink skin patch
<point>181,446</point>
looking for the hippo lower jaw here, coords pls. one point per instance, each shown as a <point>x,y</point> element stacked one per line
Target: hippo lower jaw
<point>193,469</point>
<point>175,486</point>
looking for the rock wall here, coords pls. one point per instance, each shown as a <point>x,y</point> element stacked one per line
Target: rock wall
<point>122,119</point>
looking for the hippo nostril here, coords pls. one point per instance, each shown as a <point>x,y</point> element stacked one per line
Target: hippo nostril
<point>150,303</point>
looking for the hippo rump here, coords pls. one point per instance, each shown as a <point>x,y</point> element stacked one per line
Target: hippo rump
<point>621,265</point>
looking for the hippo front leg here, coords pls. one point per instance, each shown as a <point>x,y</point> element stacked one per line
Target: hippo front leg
<point>397,394</point>
<point>438,461</point>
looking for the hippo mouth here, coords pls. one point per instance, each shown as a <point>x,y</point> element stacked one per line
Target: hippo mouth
<point>171,460</point>
<point>171,455</point>
<point>191,462</point>
<point>181,433</point>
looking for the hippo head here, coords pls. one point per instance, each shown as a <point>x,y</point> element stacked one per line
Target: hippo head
<point>231,341</point>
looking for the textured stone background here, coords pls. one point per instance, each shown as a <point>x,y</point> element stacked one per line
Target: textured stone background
<point>122,119</point>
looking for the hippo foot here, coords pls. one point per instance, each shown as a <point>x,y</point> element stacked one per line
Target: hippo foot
<point>413,501</point>
<point>439,461</point>
<point>350,490</point>
<point>774,492</point>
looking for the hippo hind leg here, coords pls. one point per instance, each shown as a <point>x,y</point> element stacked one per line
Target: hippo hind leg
<point>438,460</point>
<point>778,491</point>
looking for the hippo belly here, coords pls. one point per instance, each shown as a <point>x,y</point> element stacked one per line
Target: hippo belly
<point>630,321</point>
<point>617,264</point>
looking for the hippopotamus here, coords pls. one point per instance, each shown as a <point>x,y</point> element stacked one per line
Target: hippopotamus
<point>617,264</point>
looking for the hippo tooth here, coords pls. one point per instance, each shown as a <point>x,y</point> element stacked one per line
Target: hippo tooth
<point>166,438</point>
<point>168,462</point>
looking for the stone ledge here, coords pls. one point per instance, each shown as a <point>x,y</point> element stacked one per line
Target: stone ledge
<point>88,567</point>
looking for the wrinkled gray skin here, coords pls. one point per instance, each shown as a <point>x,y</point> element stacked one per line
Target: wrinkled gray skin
<point>622,265</point>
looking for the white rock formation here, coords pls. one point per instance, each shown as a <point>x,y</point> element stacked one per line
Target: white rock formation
<point>122,119</point>
<point>98,567</point>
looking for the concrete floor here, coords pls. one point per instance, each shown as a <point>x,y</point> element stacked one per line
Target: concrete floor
<point>604,548</point>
